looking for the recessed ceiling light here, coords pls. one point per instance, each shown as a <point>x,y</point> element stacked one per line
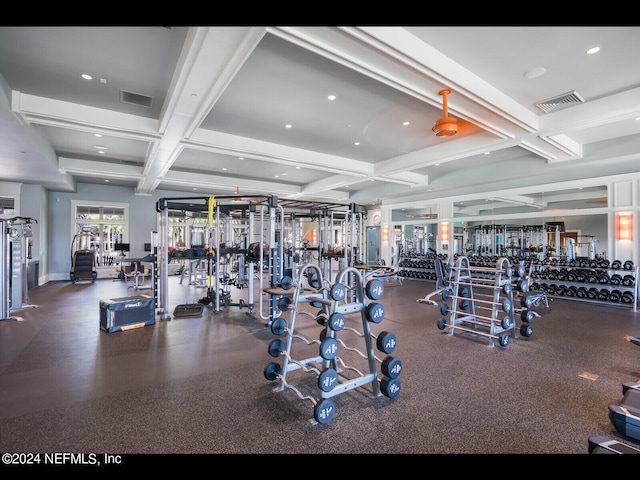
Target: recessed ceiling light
<point>101,152</point>
<point>224,168</point>
<point>406,123</point>
<point>356,143</point>
<point>593,50</point>
<point>101,147</point>
<point>86,76</point>
<point>106,180</point>
<point>331,97</point>
<point>288,125</point>
<point>97,135</point>
<point>535,72</point>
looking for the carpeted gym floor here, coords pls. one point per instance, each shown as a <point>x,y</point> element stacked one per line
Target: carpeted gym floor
<point>196,385</point>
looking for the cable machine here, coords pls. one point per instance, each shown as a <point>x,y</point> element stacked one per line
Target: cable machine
<point>15,245</point>
<point>220,210</point>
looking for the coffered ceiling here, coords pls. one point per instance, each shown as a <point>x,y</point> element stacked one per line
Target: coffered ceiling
<point>205,110</point>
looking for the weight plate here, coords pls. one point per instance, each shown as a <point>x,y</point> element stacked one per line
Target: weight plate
<point>390,387</point>
<point>286,283</point>
<point>391,367</point>
<point>386,342</point>
<point>374,312</point>
<point>526,330</point>
<point>338,292</point>
<point>336,321</point>
<point>527,316</point>
<point>272,371</point>
<point>283,303</point>
<point>314,281</point>
<point>327,380</point>
<point>374,289</point>
<point>323,412</point>
<point>329,348</point>
<point>276,347</point>
<point>279,326</point>
<point>506,305</point>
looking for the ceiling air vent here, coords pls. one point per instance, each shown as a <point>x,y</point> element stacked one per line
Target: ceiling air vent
<point>561,100</point>
<point>136,99</point>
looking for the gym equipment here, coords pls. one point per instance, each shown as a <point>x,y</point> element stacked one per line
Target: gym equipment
<point>625,416</point>
<point>126,313</point>
<point>83,257</point>
<point>605,445</point>
<point>443,285</point>
<point>15,247</point>
<point>465,318</point>
<point>334,376</point>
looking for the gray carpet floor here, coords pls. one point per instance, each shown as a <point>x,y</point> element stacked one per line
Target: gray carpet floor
<point>196,385</point>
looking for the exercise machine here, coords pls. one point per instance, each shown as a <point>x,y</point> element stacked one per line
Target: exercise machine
<point>15,246</point>
<point>625,416</point>
<point>83,257</point>
<point>605,445</point>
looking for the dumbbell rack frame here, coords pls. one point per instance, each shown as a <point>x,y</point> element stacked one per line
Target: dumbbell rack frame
<point>323,296</point>
<point>463,277</point>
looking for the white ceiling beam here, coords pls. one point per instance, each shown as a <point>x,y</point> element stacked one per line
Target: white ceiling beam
<point>210,59</point>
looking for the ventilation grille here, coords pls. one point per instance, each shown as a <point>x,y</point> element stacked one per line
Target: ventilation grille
<point>561,100</point>
<point>136,99</point>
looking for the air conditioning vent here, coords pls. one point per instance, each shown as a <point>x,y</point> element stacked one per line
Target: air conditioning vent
<point>561,100</point>
<point>136,99</point>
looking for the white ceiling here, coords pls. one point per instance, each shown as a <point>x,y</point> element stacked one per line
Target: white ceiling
<point>219,94</point>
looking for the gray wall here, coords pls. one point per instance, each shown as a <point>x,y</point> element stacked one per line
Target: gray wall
<point>142,220</point>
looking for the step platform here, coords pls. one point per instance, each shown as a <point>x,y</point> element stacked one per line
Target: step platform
<point>625,416</point>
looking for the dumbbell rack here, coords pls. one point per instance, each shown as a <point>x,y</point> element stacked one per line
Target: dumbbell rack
<point>463,314</point>
<point>332,379</point>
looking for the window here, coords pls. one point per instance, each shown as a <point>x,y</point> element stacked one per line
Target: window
<point>98,227</point>
<point>182,226</point>
<point>7,206</point>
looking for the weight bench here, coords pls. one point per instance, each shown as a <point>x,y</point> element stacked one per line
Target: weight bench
<point>625,416</point>
<point>385,273</point>
<point>442,283</point>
